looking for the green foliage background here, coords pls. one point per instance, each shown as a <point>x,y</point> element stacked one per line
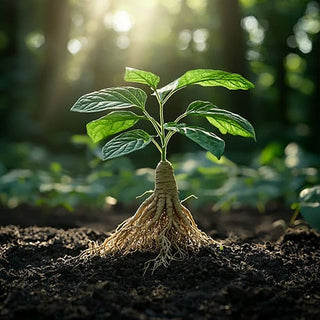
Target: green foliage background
<point>52,52</point>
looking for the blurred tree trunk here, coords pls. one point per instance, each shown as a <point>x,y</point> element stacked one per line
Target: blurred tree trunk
<point>98,48</point>
<point>281,108</point>
<point>9,58</point>
<point>281,21</point>
<point>232,49</point>
<point>315,107</point>
<point>10,27</point>
<point>232,39</point>
<point>16,69</point>
<point>279,28</point>
<point>52,78</point>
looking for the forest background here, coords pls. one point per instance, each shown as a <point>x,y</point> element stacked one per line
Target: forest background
<point>54,51</point>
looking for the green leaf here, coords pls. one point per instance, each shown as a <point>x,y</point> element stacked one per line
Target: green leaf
<point>207,140</point>
<point>126,143</point>
<point>140,76</point>
<point>225,121</point>
<point>310,206</point>
<point>111,99</point>
<point>112,123</point>
<point>207,78</point>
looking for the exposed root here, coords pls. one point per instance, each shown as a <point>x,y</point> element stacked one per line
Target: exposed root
<point>161,225</point>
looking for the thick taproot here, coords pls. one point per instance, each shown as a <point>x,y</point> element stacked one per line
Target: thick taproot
<point>165,182</point>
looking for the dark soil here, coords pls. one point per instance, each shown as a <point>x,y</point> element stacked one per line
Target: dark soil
<point>239,278</point>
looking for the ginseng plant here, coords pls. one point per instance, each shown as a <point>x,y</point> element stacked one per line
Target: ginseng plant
<point>162,224</point>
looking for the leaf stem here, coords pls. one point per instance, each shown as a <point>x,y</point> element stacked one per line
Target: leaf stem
<point>160,131</point>
<point>163,142</point>
<point>180,117</point>
<point>162,134</point>
<point>169,95</point>
<point>171,133</point>
<point>168,137</point>
<point>157,145</point>
<point>154,122</point>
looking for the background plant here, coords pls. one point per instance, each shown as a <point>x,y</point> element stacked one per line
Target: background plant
<point>309,206</point>
<point>274,176</point>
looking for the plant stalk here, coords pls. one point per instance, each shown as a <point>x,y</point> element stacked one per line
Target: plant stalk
<point>162,135</point>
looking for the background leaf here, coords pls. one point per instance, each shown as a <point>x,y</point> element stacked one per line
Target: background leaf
<point>110,124</point>
<point>310,206</point>
<point>225,121</point>
<point>110,99</point>
<point>207,140</point>
<point>208,78</point>
<point>140,76</point>
<point>126,143</point>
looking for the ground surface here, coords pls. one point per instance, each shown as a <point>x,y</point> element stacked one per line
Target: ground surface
<point>242,277</point>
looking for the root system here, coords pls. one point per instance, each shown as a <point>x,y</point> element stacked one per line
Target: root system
<point>161,225</point>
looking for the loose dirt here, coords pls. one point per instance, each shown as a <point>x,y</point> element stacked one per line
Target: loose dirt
<point>41,278</point>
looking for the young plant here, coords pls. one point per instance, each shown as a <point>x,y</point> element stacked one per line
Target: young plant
<point>162,224</point>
